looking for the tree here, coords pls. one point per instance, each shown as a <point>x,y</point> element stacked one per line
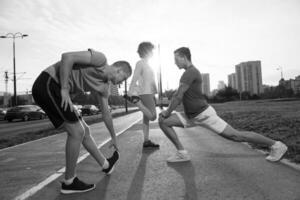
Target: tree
<point>227,94</point>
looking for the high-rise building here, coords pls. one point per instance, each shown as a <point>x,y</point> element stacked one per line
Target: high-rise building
<point>249,77</point>
<point>221,85</point>
<point>297,85</point>
<point>232,82</point>
<point>293,84</point>
<point>205,84</point>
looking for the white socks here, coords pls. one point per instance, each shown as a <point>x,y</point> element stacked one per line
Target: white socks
<point>69,181</point>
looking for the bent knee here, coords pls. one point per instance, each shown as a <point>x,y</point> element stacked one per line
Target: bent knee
<point>78,134</point>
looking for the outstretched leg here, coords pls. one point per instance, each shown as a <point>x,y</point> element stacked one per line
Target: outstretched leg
<point>278,149</point>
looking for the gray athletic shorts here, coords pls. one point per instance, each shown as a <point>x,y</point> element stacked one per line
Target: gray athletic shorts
<point>208,118</point>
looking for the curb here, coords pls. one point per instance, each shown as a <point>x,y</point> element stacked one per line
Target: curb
<point>283,161</point>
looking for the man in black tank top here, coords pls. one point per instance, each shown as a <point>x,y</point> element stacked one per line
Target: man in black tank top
<point>75,73</point>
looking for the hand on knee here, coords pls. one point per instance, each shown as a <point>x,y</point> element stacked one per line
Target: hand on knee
<point>161,120</point>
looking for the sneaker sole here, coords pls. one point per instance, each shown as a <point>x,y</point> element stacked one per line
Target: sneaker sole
<point>150,147</point>
<point>76,191</point>
<point>177,161</point>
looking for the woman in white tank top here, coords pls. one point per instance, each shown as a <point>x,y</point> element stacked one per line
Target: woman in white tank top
<point>143,88</point>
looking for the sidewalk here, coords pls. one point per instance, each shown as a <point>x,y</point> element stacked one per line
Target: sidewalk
<point>220,169</point>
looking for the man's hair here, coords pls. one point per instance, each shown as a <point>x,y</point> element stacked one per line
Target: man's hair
<point>123,65</point>
<point>184,52</point>
<point>144,49</point>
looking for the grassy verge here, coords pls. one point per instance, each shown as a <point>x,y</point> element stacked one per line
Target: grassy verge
<point>34,135</point>
<point>279,120</point>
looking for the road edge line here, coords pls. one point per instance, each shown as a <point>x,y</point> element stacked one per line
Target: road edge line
<point>58,173</point>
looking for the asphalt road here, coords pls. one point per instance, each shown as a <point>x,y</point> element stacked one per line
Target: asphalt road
<point>219,170</point>
<point>17,126</point>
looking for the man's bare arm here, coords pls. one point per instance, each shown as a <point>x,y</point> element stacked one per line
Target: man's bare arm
<point>67,61</point>
<point>177,98</point>
<point>107,118</point>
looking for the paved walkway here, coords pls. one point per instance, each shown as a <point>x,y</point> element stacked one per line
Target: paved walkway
<point>220,169</point>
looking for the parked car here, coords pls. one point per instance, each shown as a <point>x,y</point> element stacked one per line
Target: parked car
<point>2,113</point>
<point>89,110</point>
<point>25,112</point>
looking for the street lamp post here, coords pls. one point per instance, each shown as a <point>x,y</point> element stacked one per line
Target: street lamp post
<point>14,36</point>
<point>281,73</point>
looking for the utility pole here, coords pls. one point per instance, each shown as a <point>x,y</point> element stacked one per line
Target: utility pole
<point>6,80</point>
<point>281,73</point>
<point>126,107</point>
<point>14,36</point>
<point>6,83</point>
<point>160,98</point>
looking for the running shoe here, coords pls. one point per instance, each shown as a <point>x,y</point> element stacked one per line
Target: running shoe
<point>277,151</point>
<point>111,161</point>
<point>132,99</point>
<point>149,144</point>
<point>179,156</point>
<point>76,187</point>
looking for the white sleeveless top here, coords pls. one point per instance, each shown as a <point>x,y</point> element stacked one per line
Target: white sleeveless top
<point>143,80</point>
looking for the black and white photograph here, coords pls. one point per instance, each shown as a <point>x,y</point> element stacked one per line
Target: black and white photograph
<point>149,100</point>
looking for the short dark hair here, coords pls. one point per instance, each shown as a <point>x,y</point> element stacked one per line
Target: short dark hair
<point>144,49</point>
<point>184,51</point>
<point>123,65</point>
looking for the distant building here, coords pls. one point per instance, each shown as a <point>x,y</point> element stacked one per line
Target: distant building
<point>4,99</point>
<point>205,84</point>
<point>266,87</point>
<point>249,77</point>
<point>297,85</point>
<point>232,81</point>
<point>293,84</point>
<point>214,92</point>
<point>221,85</point>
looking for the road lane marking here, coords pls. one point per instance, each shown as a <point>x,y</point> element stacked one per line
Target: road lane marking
<point>8,148</point>
<point>57,174</point>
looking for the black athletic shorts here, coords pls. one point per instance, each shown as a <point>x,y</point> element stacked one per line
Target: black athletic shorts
<point>46,93</point>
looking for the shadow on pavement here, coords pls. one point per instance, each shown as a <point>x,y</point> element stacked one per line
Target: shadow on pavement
<point>187,171</point>
<point>136,187</point>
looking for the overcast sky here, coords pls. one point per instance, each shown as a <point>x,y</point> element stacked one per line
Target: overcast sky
<point>219,33</point>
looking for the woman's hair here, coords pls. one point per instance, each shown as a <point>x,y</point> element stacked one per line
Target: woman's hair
<point>123,65</point>
<point>184,52</point>
<point>144,49</point>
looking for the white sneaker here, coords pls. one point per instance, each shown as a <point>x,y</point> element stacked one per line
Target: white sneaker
<point>180,156</point>
<point>277,151</point>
